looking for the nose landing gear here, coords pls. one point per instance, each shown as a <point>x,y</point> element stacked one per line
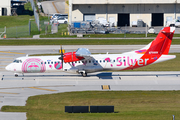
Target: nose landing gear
<point>15,74</point>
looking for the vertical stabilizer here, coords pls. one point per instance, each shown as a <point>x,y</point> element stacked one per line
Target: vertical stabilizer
<point>162,43</point>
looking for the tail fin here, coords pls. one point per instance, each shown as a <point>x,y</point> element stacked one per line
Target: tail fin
<point>162,43</point>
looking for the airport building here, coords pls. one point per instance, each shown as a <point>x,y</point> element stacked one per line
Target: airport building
<point>125,12</point>
<point>5,7</point>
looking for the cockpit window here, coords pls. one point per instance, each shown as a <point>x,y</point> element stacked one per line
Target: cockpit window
<point>17,61</point>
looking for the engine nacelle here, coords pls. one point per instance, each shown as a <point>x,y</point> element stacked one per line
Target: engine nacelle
<point>71,57</point>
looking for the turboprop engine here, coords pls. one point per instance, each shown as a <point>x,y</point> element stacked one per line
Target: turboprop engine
<point>71,57</point>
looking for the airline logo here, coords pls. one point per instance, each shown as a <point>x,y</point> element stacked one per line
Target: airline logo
<point>128,61</point>
<point>33,64</point>
<point>141,51</point>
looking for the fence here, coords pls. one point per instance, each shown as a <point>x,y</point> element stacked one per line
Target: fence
<point>19,31</point>
<point>36,15</point>
<point>2,31</point>
<point>31,29</point>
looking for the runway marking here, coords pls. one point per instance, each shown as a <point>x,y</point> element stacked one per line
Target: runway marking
<point>42,89</point>
<point>105,87</point>
<point>6,55</point>
<point>40,86</point>
<point>6,58</point>
<point>55,7</point>
<point>11,52</point>
<point>3,65</point>
<point>7,61</point>
<point>8,93</point>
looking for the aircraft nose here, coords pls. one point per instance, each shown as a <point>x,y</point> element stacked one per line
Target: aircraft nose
<point>8,67</point>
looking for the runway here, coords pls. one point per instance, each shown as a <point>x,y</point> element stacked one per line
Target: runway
<point>16,90</point>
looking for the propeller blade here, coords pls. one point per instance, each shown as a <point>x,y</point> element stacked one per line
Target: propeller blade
<point>62,57</point>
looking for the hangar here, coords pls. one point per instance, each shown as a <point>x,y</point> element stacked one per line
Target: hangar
<point>5,7</point>
<point>125,12</point>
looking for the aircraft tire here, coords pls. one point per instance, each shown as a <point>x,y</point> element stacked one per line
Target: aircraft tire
<point>84,74</point>
<point>16,75</point>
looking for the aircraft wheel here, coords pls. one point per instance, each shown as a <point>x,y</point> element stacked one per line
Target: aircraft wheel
<point>84,74</point>
<point>16,75</point>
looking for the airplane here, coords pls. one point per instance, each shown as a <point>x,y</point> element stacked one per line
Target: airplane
<point>82,61</point>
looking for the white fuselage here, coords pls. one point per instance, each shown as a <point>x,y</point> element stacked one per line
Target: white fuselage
<point>38,64</point>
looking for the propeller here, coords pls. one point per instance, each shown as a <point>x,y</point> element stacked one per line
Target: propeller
<point>61,57</point>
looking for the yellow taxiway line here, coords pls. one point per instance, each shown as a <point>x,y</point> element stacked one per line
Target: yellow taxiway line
<point>11,52</point>
<point>5,55</point>
<point>3,65</point>
<point>42,89</point>
<point>7,93</point>
<point>6,58</point>
<point>7,61</point>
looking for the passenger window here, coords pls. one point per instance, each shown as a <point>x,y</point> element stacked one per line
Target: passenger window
<point>48,62</point>
<point>96,61</point>
<point>51,62</point>
<point>54,62</point>
<point>41,62</point>
<point>89,61</point>
<point>100,61</point>
<point>114,61</point>
<point>119,60</point>
<point>44,62</point>
<point>79,61</point>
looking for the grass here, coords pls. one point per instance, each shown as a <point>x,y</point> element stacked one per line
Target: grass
<point>13,21</point>
<point>129,105</point>
<point>81,42</point>
<point>15,32</point>
<point>17,26</point>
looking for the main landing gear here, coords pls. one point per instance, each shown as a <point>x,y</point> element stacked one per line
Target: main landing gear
<point>84,74</point>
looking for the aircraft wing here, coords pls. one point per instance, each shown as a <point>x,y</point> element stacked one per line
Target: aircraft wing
<point>83,52</point>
